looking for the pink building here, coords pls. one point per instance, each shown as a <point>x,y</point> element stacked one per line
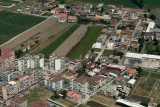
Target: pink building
<point>7,58</point>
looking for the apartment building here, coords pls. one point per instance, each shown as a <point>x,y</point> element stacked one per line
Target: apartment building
<point>19,102</point>
<point>56,63</point>
<point>26,62</point>
<point>85,85</point>
<point>22,83</point>
<point>54,81</point>
<point>7,58</point>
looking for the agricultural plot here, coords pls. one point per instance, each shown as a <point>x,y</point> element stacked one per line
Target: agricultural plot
<point>125,3</point>
<point>86,43</point>
<point>148,85</point>
<point>55,44</point>
<point>13,24</point>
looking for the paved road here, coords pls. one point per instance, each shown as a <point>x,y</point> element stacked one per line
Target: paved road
<point>134,32</point>
<point>105,46</point>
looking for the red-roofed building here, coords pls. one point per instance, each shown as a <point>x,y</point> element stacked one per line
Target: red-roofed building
<point>1,104</point>
<point>111,6</point>
<point>132,72</point>
<point>55,10</point>
<point>149,36</point>
<point>88,6</point>
<point>40,104</point>
<point>74,96</point>
<point>54,81</point>
<point>7,58</point>
<point>62,16</point>
<point>113,22</point>
<point>72,19</point>
<point>18,102</point>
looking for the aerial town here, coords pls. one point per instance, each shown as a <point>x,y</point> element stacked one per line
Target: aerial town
<point>79,53</point>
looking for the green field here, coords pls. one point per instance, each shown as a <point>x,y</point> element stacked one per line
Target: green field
<point>152,3</point>
<point>125,3</point>
<point>54,45</point>
<point>94,104</point>
<point>38,94</point>
<point>9,1</point>
<point>12,24</point>
<point>86,43</point>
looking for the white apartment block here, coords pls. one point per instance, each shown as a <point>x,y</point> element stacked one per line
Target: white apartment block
<point>31,62</point>
<point>56,63</point>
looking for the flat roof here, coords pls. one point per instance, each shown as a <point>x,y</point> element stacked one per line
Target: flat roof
<point>140,56</point>
<point>126,102</point>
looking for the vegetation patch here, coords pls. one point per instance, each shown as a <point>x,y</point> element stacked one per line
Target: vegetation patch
<point>55,44</point>
<point>86,43</point>
<point>38,94</point>
<point>94,104</point>
<point>13,24</point>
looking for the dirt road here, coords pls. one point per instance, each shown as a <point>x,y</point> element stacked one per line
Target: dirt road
<point>45,29</point>
<point>71,41</point>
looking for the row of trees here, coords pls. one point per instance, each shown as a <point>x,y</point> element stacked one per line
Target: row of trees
<point>139,3</point>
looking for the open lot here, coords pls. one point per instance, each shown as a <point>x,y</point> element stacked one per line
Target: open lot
<point>13,24</point>
<point>148,85</point>
<point>66,102</point>
<point>38,94</point>
<point>105,100</point>
<point>47,51</point>
<point>71,41</point>
<point>86,43</point>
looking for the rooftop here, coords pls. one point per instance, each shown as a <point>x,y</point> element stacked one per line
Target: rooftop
<point>18,100</point>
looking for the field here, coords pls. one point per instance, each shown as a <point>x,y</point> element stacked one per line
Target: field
<point>105,100</point>
<point>66,102</point>
<point>38,94</point>
<point>86,43</point>
<point>13,24</point>
<point>47,51</point>
<point>9,1</point>
<point>71,41</point>
<point>108,52</point>
<point>152,3</point>
<point>125,3</point>
<point>148,85</point>
<point>94,104</point>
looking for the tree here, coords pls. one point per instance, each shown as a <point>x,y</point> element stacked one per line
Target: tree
<point>64,93</point>
<point>56,96</point>
<point>144,104</point>
<point>145,15</point>
<point>139,69</point>
<point>18,53</point>
<point>153,17</point>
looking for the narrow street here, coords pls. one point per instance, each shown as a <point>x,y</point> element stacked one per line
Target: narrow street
<point>134,32</point>
<point>105,46</point>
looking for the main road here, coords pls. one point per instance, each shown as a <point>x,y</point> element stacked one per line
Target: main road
<point>105,45</point>
<point>134,32</point>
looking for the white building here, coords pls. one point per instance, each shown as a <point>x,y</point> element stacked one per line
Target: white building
<point>110,46</point>
<point>31,62</point>
<point>151,25</point>
<point>97,45</point>
<point>56,63</point>
<point>144,60</point>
